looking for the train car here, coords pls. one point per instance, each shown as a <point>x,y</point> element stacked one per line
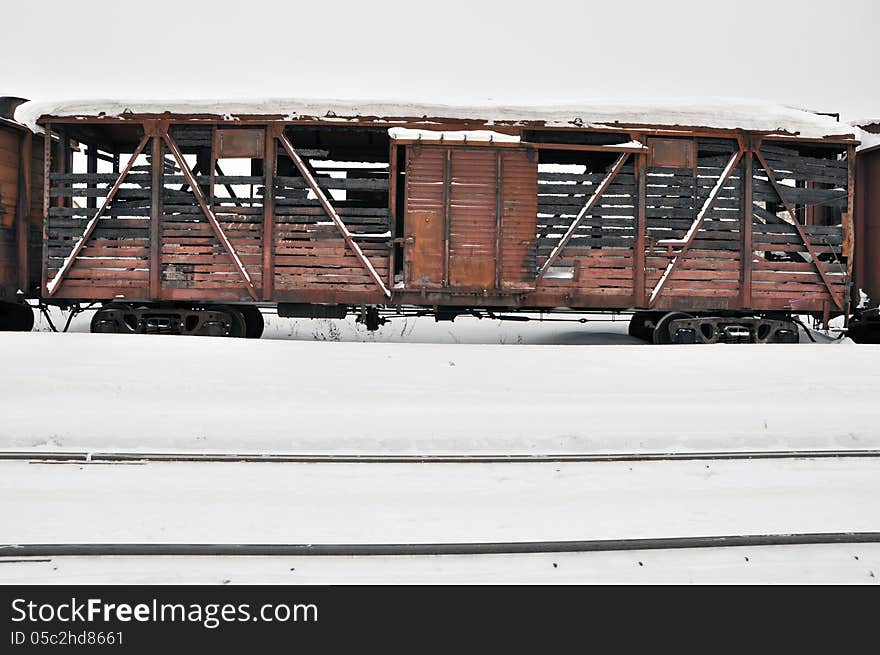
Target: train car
<point>865,326</point>
<point>21,217</point>
<point>710,223</point>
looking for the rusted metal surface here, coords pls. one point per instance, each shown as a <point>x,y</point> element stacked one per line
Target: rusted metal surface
<point>425,218</point>
<point>867,224</point>
<point>472,217</point>
<point>239,143</point>
<point>471,212</point>
<point>518,201</point>
<point>672,153</point>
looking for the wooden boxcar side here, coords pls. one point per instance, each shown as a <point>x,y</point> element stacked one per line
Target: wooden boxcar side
<point>339,212</point>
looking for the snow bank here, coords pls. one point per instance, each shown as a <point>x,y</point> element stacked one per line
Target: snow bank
<point>92,392</point>
<point>720,113</point>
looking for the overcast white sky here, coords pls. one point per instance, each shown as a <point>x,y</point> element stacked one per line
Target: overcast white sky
<point>819,55</point>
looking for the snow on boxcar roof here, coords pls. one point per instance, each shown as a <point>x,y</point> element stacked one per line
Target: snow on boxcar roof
<point>713,113</point>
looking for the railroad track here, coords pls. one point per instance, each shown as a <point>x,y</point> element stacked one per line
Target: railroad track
<point>403,549</point>
<point>108,456</point>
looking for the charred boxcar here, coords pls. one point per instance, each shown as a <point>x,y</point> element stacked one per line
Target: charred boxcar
<point>185,219</point>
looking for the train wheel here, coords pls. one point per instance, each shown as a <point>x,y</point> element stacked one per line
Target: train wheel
<point>221,321</point>
<point>114,318</point>
<point>16,317</point>
<point>641,325</point>
<point>663,333</point>
<point>254,323</point>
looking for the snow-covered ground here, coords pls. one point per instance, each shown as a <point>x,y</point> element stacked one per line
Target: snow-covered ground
<point>840,564</point>
<point>157,393</point>
<point>443,503</point>
<point>420,387</point>
<point>432,503</point>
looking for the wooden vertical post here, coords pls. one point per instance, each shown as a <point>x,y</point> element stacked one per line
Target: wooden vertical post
<point>157,170</point>
<point>92,168</point>
<point>60,162</point>
<point>392,209</point>
<point>23,210</point>
<point>270,166</point>
<point>47,184</point>
<point>747,251</point>
<point>847,219</point>
<point>640,169</point>
<point>447,214</point>
<point>499,214</point>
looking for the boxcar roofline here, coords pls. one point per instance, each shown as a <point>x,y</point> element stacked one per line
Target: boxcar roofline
<point>436,123</point>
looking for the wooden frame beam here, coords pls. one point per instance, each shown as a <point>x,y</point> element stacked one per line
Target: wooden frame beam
<point>157,171</point>
<point>270,168</point>
<point>331,212</point>
<point>641,224</point>
<point>747,253</point>
<point>52,285</point>
<point>691,234</point>
<point>797,226</point>
<point>23,209</point>
<point>586,209</point>
<point>209,214</point>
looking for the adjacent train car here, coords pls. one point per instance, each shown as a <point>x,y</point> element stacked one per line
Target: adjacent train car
<point>714,223</point>
<point>21,218</point>
<point>865,326</point>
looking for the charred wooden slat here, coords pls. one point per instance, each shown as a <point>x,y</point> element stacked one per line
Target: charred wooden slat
<point>341,183</point>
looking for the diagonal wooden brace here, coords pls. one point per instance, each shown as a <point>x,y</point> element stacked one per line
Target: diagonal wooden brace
<point>331,212</point>
<point>688,239</point>
<point>586,209</point>
<point>800,230</point>
<point>53,284</point>
<point>209,214</point>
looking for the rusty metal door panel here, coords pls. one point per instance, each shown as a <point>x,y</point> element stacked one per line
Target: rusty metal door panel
<point>519,210</point>
<point>473,217</point>
<point>425,220</point>
<point>426,230</point>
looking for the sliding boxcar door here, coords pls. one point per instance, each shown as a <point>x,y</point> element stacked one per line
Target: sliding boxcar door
<point>473,217</point>
<point>470,217</point>
<point>424,255</point>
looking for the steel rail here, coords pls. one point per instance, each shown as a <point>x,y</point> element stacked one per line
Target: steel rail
<point>462,548</point>
<point>111,457</point>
